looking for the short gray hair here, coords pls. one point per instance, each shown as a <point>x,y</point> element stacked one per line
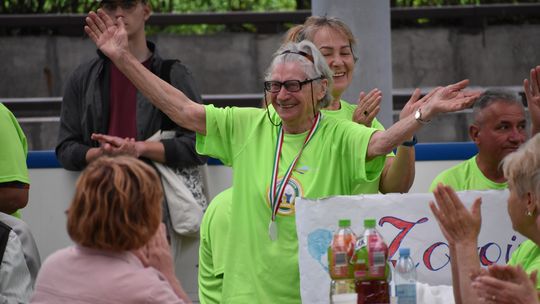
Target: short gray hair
<point>492,96</point>
<point>522,168</point>
<point>314,67</point>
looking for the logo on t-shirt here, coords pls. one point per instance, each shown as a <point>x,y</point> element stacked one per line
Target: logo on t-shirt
<point>292,191</point>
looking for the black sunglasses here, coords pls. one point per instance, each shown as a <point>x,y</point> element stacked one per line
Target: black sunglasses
<point>290,85</point>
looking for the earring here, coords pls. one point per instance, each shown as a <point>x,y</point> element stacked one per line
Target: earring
<point>529,213</point>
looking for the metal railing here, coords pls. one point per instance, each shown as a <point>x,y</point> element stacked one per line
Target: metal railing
<point>37,109</point>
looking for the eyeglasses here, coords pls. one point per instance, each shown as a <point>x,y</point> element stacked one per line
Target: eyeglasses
<point>290,85</point>
<point>124,4</point>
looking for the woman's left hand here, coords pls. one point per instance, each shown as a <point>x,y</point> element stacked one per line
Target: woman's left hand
<point>451,98</point>
<point>414,102</point>
<point>368,107</point>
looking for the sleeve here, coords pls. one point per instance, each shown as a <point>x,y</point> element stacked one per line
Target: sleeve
<point>14,149</point>
<point>379,126</point>
<point>527,257</point>
<point>28,244</point>
<point>71,149</point>
<point>358,136</point>
<point>220,138</point>
<point>15,283</point>
<point>180,150</point>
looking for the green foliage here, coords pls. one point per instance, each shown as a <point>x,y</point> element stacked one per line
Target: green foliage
<point>165,6</point>
<point>416,3</point>
<point>185,6</point>
<point>209,6</point>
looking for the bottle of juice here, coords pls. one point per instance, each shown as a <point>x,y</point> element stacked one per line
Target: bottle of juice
<point>342,288</point>
<point>371,270</point>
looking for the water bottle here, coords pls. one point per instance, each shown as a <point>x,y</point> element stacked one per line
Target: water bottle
<point>340,252</point>
<point>405,278</point>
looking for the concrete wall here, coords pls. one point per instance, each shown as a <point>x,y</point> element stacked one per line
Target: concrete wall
<point>496,56</point>
<point>235,63</point>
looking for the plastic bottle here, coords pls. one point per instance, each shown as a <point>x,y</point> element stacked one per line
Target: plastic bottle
<point>340,252</point>
<point>405,278</point>
<point>371,270</point>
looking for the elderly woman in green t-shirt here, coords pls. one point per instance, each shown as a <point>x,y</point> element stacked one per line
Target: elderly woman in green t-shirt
<point>275,159</point>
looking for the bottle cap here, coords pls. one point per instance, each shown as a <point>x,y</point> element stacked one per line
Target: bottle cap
<point>344,223</point>
<point>404,252</point>
<point>369,223</point>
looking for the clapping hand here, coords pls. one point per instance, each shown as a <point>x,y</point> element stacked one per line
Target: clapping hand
<point>368,107</point>
<point>532,92</point>
<point>456,222</point>
<point>506,284</point>
<point>114,145</point>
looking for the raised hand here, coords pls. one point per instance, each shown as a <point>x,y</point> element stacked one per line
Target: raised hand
<point>414,103</point>
<point>532,92</point>
<point>368,107</point>
<point>456,222</point>
<point>108,35</point>
<point>447,99</point>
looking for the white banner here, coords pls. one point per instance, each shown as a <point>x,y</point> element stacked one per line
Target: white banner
<point>404,220</point>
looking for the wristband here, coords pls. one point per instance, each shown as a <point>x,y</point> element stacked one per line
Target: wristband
<point>410,143</point>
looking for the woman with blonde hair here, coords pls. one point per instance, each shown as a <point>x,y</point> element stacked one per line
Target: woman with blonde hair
<point>336,42</point>
<point>121,254</point>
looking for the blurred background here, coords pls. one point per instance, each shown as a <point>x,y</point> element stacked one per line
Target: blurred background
<point>228,44</point>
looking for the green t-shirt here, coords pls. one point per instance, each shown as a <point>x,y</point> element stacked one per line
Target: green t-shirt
<point>466,176</point>
<point>346,111</point>
<point>258,270</point>
<point>13,152</point>
<point>528,256</point>
<point>214,228</point>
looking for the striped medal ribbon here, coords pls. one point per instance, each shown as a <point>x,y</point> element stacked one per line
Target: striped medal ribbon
<point>276,190</point>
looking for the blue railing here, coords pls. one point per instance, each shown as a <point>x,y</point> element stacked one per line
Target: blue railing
<point>424,152</point>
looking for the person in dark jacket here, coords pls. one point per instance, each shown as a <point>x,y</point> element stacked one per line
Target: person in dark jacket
<point>100,100</point>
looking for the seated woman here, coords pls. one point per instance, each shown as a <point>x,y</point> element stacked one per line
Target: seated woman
<point>121,253</point>
<point>461,228</point>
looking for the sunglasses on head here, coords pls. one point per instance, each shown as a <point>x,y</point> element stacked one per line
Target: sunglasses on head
<point>113,5</point>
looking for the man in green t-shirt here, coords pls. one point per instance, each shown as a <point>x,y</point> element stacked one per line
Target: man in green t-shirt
<point>14,181</point>
<point>499,128</point>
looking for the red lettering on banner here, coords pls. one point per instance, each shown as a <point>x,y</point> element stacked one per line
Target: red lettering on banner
<point>483,254</point>
<point>427,256</point>
<point>404,226</point>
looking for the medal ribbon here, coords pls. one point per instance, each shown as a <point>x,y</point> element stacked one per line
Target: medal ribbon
<point>276,191</point>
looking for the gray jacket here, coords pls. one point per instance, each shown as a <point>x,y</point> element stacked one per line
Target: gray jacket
<point>85,110</point>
